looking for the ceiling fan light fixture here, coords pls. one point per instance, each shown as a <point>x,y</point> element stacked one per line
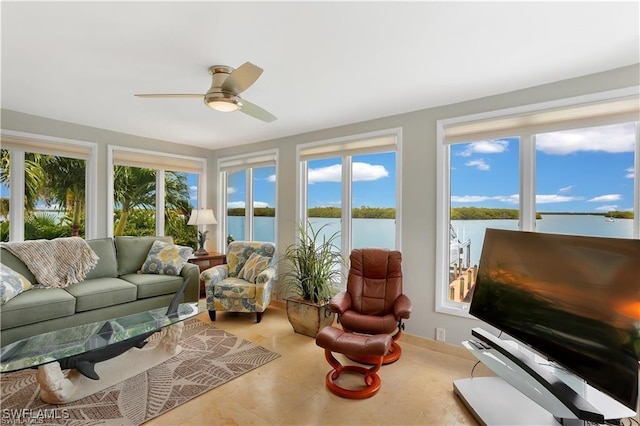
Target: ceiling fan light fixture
<point>220,101</point>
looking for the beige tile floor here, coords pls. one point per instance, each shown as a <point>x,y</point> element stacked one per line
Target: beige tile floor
<point>416,390</point>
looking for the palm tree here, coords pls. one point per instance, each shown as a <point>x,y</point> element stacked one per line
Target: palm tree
<point>135,187</point>
<point>34,177</point>
<point>65,186</point>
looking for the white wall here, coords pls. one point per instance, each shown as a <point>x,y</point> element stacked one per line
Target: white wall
<point>418,176</point>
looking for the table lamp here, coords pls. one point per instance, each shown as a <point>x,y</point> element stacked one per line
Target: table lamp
<point>202,217</point>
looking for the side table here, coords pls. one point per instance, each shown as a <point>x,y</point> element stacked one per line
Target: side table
<point>207,261</point>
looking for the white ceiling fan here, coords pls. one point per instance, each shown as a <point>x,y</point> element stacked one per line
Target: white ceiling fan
<point>224,93</point>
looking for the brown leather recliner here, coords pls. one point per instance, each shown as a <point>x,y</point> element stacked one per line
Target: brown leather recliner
<point>373,302</point>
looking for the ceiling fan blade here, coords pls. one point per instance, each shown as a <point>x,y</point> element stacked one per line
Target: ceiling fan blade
<point>256,112</point>
<point>169,95</point>
<point>241,78</point>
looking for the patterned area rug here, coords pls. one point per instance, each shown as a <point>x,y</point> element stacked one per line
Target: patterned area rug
<point>209,358</point>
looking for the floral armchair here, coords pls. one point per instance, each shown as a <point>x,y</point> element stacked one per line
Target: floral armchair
<point>245,283</point>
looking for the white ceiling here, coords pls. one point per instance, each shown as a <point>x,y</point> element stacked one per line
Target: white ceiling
<point>325,63</point>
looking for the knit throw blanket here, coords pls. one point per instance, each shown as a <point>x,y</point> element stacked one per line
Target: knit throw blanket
<point>55,263</point>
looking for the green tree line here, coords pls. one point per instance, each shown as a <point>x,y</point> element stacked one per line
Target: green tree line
<point>365,212</point>
<point>327,212</point>
<point>468,213</point>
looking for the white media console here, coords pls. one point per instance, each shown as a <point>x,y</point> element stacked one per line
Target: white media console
<point>521,396</point>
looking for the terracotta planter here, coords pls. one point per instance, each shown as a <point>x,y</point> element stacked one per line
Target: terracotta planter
<point>308,318</point>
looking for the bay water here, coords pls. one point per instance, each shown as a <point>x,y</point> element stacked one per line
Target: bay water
<point>381,232</point>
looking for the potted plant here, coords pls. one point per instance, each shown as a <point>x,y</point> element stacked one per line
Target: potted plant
<point>313,264</point>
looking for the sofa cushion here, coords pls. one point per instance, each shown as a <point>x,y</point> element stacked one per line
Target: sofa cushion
<point>165,259</point>
<point>12,284</point>
<point>9,259</point>
<point>131,252</point>
<point>150,285</point>
<point>107,265</point>
<point>36,305</point>
<point>101,292</point>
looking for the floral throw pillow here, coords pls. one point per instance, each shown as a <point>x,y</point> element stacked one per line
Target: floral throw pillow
<point>165,259</point>
<point>253,267</point>
<point>12,284</point>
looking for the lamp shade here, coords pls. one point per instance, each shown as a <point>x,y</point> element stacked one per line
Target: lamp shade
<point>202,217</point>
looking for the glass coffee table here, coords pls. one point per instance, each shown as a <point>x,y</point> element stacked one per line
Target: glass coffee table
<point>96,355</point>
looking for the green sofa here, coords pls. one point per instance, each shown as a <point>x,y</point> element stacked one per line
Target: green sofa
<point>113,288</point>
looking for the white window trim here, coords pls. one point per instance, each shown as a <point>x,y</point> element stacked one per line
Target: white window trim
<point>244,162</point>
<point>16,214</point>
<point>527,183</point>
<point>301,182</point>
<point>202,182</point>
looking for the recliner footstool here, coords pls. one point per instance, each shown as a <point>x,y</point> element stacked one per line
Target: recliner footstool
<point>371,346</point>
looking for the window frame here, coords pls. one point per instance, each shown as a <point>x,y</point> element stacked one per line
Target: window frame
<point>527,176</point>
<point>246,162</point>
<point>346,148</point>
<point>54,146</point>
<point>200,170</point>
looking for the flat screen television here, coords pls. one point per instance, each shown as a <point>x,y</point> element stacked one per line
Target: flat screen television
<point>573,299</point>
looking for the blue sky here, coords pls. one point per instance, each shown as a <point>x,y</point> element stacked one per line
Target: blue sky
<point>584,170</point>
<point>374,180</point>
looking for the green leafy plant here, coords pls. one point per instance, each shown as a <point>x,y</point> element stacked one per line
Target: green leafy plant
<point>314,263</point>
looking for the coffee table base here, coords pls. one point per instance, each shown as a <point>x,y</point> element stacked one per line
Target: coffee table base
<point>58,387</point>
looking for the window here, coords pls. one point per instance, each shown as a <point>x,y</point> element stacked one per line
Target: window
<point>248,197</point>
<point>350,186</point>
<point>47,187</point>
<point>154,193</point>
<point>567,167</point>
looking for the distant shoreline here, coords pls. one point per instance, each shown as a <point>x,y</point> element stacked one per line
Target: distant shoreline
<point>457,213</point>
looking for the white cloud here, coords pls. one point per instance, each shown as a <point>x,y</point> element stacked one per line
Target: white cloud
<point>606,198</point>
<point>494,146</point>
<point>607,208</point>
<point>479,164</point>
<point>368,172</point>
<point>554,198</point>
<point>242,204</point>
<point>469,198</point>
<point>325,174</point>
<point>231,190</point>
<point>361,172</point>
<point>271,178</point>
<point>630,173</point>
<point>611,139</point>
<point>566,188</point>
<point>513,198</point>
